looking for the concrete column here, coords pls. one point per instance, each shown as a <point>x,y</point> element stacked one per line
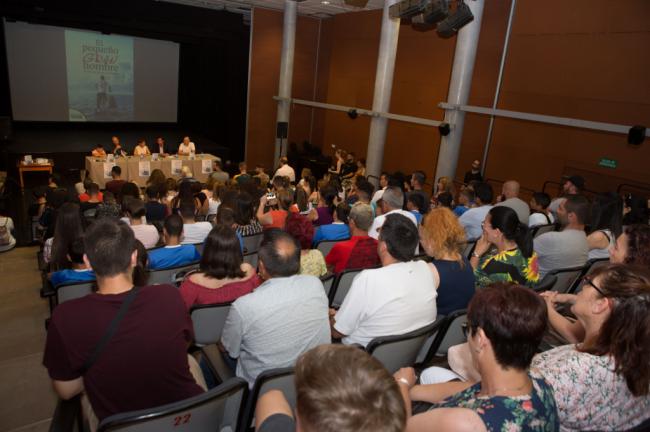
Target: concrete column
<point>459,87</point>
<point>383,89</point>
<point>286,72</point>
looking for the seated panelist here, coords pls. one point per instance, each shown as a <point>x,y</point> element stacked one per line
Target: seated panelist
<point>141,149</point>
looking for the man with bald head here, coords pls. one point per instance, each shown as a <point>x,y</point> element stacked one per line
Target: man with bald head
<point>284,317</point>
<point>510,198</point>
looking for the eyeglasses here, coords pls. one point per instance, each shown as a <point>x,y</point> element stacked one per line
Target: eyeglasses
<point>465,327</point>
<point>589,281</point>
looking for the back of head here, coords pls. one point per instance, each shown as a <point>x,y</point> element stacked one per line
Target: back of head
<point>419,200</point>
<point>280,253</point>
<point>76,251</point>
<point>638,245</point>
<point>625,333</point>
<point>636,210</point>
<point>151,192</point>
<point>342,212</point>
<point>401,237</point>
<point>607,213</point>
<point>285,199</point>
<point>187,209</point>
<point>578,205</point>
<point>393,198</point>
<point>93,189</point>
<point>506,220</point>
<point>365,189</point>
<point>173,225</point>
<point>442,233</point>
<point>136,208</point>
<point>284,160</point>
<point>129,190</point>
<point>108,246</point>
<point>511,188</point>
<point>116,170</point>
<point>514,319</point>
<point>483,192</point>
<point>222,257</point>
<point>343,389</point>
<point>420,177</point>
<point>445,199</point>
<point>542,199</point>
<point>243,208</point>
<point>362,216</point>
<point>301,229</point>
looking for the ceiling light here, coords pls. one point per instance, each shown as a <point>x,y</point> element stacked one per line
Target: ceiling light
<point>325,2</point>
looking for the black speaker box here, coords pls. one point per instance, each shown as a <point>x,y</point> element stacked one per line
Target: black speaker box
<point>5,128</point>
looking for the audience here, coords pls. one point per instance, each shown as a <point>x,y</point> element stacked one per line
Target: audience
<point>243,176</point>
<point>603,382</point>
<point>360,251</point>
<point>147,234</point>
<point>395,299</point>
<point>443,238</point>
<point>247,225</point>
<point>7,239</point>
<point>539,212</point>
<point>474,174</point>
<point>80,271</point>
<point>115,185</point>
<point>473,218</point>
<point>569,247</point>
<point>323,214</point>
<point>86,194</point>
<point>218,174</point>
<point>155,210</point>
<point>340,389</point>
<point>635,210</point>
<point>510,198</point>
<point>392,202</point>
<point>418,204</point>
<point>283,318</point>
<point>277,216</point>
<point>465,201</point>
<point>68,227</point>
<point>173,254</point>
<point>632,246</point>
<point>285,170</point>
<point>513,260</point>
<point>223,276</point>
<point>505,325</point>
<point>338,229</point>
<point>383,184</point>
<point>605,225</point>
<point>571,185</point>
<point>145,364</point>
<point>108,207</point>
<point>312,261</point>
<point>193,232</point>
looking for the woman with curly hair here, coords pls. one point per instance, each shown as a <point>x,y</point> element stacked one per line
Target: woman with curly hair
<point>603,382</point>
<point>443,238</point>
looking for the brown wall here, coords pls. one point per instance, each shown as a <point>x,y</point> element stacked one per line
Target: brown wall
<point>264,78</point>
<point>581,59</point>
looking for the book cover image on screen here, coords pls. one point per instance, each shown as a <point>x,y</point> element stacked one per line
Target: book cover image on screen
<point>100,76</point>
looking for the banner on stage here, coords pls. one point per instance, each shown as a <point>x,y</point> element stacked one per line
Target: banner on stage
<point>100,76</point>
<point>108,166</point>
<point>206,166</point>
<point>144,168</point>
<point>177,167</point>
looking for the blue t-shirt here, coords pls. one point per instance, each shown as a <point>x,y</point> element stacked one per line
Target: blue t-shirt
<point>71,276</point>
<point>418,216</point>
<point>172,256</point>
<point>459,210</point>
<point>335,231</point>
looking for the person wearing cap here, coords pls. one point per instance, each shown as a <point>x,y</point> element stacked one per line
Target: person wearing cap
<point>571,185</point>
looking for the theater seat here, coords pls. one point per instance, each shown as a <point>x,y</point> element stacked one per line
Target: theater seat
<point>218,409</point>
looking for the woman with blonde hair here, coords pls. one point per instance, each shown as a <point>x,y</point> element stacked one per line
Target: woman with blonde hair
<point>443,238</point>
<point>445,184</point>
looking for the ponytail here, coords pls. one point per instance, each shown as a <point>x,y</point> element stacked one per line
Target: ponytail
<point>524,240</point>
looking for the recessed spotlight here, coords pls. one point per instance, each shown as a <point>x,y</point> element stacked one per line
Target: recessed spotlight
<point>325,2</point>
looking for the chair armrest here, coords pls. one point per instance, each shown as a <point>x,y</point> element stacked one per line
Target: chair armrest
<point>214,358</point>
<point>66,415</point>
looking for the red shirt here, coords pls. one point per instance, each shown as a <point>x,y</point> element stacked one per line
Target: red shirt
<point>360,252</point>
<point>278,219</point>
<point>194,293</point>
<point>85,197</point>
<point>115,186</point>
<point>144,365</point>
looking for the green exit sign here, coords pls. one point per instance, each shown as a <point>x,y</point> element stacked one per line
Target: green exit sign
<point>607,163</point>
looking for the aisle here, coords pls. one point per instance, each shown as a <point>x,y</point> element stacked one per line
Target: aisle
<point>26,397</point>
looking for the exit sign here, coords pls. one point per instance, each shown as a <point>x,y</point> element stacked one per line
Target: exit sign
<point>607,163</point>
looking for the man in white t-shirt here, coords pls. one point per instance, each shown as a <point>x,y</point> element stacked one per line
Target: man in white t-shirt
<point>186,147</point>
<point>193,232</point>
<point>472,219</point>
<point>383,183</point>
<point>396,299</point>
<point>285,170</point>
<point>392,203</point>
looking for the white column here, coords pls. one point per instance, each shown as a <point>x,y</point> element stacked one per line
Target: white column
<point>383,89</point>
<point>286,71</point>
<point>459,87</point>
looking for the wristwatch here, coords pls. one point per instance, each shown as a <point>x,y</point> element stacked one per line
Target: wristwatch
<point>474,254</point>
